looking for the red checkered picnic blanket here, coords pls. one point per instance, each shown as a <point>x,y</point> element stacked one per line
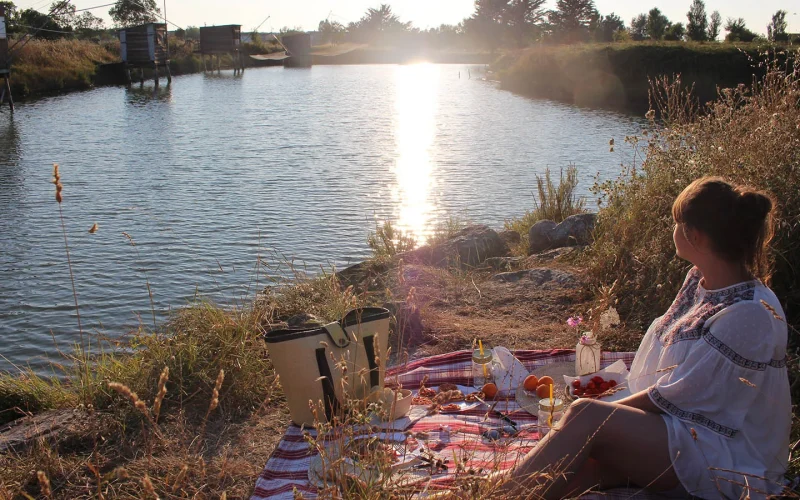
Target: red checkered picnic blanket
<point>287,468</point>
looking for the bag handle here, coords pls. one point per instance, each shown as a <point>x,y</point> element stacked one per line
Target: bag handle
<point>330,401</point>
<point>374,373</point>
<point>337,334</point>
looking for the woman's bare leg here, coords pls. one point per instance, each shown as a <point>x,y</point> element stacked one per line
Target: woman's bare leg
<point>617,437</point>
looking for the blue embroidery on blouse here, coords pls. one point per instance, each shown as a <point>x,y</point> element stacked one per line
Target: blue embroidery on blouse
<point>680,323</point>
<point>778,363</point>
<point>688,416</point>
<point>732,355</point>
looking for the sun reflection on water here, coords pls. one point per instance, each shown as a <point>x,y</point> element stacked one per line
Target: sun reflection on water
<point>414,129</point>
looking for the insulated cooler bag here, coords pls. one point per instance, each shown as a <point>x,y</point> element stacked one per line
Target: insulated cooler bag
<point>309,362</point>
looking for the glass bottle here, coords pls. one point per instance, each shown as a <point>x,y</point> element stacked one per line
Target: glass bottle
<point>549,414</point>
<point>587,355</point>
<point>481,367</point>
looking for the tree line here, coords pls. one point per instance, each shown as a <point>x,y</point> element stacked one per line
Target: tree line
<point>64,19</point>
<point>493,24</point>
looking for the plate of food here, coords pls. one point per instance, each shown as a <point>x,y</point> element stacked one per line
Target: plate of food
<point>366,458</point>
<point>447,398</point>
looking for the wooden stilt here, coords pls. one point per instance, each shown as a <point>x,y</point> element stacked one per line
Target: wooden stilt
<point>155,74</point>
<point>7,91</point>
<point>219,68</point>
<point>128,75</point>
<point>141,77</point>
<point>169,74</point>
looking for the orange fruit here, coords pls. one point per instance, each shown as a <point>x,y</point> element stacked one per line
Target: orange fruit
<point>490,390</point>
<point>543,391</point>
<point>531,383</point>
<point>545,381</point>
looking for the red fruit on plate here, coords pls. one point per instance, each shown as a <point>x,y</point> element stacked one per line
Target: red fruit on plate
<point>579,392</point>
<point>598,380</point>
<point>612,383</point>
<point>591,385</point>
<point>576,383</point>
<point>604,386</point>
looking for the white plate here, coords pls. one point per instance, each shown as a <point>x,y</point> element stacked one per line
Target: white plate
<point>407,457</point>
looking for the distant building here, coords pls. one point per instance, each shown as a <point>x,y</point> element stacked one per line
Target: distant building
<point>247,37</point>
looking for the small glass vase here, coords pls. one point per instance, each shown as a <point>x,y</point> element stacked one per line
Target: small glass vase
<point>587,355</point>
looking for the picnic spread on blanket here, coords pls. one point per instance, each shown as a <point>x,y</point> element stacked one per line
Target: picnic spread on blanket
<point>466,432</point>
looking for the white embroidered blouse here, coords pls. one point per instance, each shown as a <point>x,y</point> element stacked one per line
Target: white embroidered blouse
<point>715,363</point>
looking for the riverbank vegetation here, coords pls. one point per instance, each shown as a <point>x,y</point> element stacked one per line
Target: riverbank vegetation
<point>619,75</point>
<point>628,53</point>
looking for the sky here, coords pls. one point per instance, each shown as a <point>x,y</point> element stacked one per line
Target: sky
<point>423,13</point>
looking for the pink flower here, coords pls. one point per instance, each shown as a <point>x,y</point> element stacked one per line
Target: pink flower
<point>574,321</point>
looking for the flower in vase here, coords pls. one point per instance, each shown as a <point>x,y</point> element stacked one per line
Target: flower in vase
<point>574,321</point>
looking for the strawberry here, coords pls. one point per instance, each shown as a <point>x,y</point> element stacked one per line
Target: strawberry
<point>612,383</point>
<point>604,386</point>
<point>576,384</point>
<point>591,385</point>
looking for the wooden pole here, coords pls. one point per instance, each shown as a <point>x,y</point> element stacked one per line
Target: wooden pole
<point>155,74</point>
<point>10,98</point>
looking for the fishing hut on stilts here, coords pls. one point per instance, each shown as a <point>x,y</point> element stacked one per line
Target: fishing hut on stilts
<point>221,40</point>
<point>145,46</point>
<point>5,65</point>
<point>298,48</point>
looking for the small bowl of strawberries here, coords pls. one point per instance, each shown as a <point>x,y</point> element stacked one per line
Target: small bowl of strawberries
<point>606,382</point>
<point>595,387</point>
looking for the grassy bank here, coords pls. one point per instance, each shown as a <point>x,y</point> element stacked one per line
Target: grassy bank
<point>618,75</point>
<point>55,65</point>
<point>46,66</point>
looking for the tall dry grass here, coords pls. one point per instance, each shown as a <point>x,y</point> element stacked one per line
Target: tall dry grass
<point>51,65</point>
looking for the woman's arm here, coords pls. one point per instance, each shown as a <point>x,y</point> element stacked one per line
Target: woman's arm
<point>641,401</point>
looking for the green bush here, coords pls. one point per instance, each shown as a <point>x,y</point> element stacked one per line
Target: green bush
<point>553,202</point>
<point>618,74</point>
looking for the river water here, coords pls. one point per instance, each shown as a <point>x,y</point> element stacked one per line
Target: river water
<point>217,171</point>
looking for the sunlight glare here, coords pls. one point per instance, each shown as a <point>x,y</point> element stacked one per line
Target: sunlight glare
<point>416,88</point>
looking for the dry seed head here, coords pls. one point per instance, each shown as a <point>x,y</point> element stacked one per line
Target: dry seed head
<point>120,473</point>
<point>772,310</point>
<point>148,486</point>
<point>44,483</point>
<point>667,369</point>
<point>162,391</point>
<point>180,477</point>
<point>746,382</point>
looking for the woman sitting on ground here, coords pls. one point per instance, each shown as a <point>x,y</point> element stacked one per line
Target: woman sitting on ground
<point>710,413</point>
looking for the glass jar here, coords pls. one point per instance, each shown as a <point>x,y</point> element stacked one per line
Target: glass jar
<point>587,355</point>
<point>549,414</point>
<point>481,368</point>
